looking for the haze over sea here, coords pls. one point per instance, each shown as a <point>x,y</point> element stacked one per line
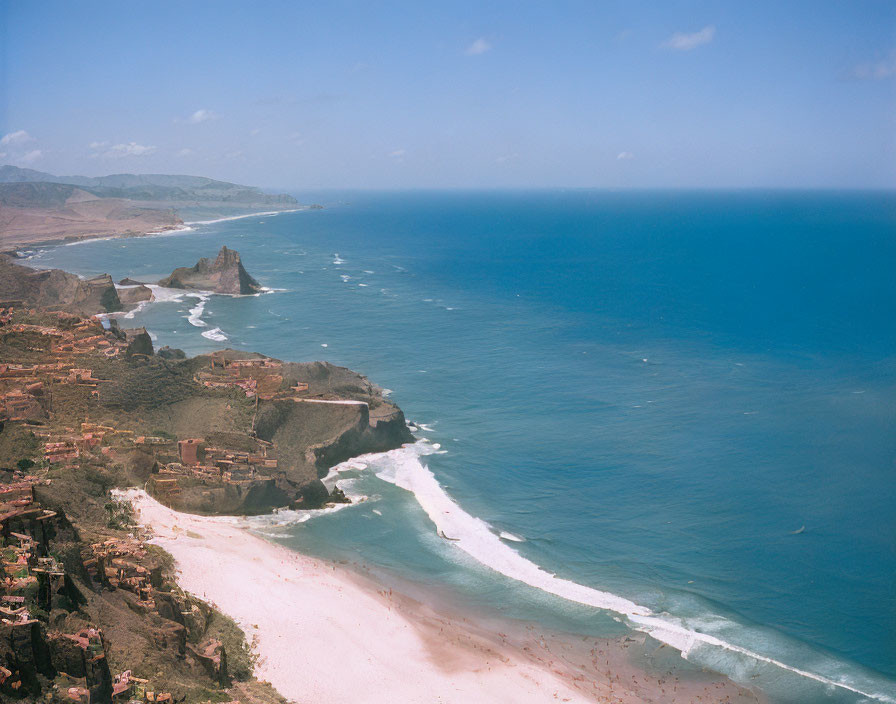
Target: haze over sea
<point>684,399</point>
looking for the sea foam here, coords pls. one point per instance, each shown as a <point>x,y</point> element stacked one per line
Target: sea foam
<point>195,316</point>
<point>215,334</point>
<point>404,468</point>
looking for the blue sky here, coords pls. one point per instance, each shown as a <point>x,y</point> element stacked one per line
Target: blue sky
<point>431,94</point>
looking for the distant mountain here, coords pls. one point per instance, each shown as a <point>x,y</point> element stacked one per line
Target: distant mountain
<point>13,174</point>
<point>39,207</point>
<point>154,187</point>
<point>38,194</point>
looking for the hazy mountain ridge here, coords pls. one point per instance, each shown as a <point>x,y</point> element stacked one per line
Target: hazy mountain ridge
<point>36,206</point>
<point>142,187</point>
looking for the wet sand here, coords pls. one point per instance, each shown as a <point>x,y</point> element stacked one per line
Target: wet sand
<point>327,633</point>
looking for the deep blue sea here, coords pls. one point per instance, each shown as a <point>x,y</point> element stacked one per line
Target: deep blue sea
<point>681,406</point>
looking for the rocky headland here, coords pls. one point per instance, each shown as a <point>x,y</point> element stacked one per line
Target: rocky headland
<point>89,611</point>
<point>54,289</point>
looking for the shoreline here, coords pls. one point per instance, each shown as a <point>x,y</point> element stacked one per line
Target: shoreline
<point>305,615</point>
<point>246,215</point>
<point>13,248</point>
<point>661,628</point>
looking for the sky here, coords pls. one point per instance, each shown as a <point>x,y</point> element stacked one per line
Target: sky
<point>417,94</point>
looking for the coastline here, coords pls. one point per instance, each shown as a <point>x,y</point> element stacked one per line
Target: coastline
<point>12,248</point>
<point>824,681</point>
<point>246,215</point>
<point>304,616</point>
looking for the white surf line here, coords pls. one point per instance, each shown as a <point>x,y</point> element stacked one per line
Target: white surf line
<point>339,402</point>
<point>171,231</point>
<point>185,227</point>
<point>712,640</point>
<point>88,239</point>
<point>161,294</point>
<point>267,213</point>
<point>195,316</point>
<point>216,334</point>
<point>474,536</point>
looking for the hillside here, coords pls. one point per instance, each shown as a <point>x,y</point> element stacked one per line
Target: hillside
<point>39,207</point>
<point>163,187</point>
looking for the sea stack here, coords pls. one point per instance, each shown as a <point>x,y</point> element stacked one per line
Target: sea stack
<point>225,274</point>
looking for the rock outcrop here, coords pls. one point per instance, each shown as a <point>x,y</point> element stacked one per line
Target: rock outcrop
<point>225,274</point>
<point>55,289</point>
<point>139,342</point>
<point>134,295</point>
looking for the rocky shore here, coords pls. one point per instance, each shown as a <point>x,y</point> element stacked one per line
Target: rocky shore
<point>88,610</point>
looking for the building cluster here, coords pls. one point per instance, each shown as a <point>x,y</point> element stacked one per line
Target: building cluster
<point>35,588</point>
<point>24,387</point>
<point>199,460</point>
<point>32,582</point>
<point>72,334</point>
<point>125,564</point>
<point>261,378</point>
<point>120,564</point>
<point>91,441</point>
<point>29,576</point>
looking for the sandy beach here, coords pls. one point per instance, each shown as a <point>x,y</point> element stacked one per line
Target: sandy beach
<point>325,633</point>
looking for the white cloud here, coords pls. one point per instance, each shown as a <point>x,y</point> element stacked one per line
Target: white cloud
<point>202,115</point>
<point>254,132</point>
<point>2,155</point>
<point>480,46</point>
<point>624,156</point>
<point>98,145</point>
<point>31,157</point>
<point>185,152</point>
<point>19,137</point>
<point>505,158</point>
<point>686,42</point>
<point>398,153</point>
<point>117,151</point>
<point>876,70</point>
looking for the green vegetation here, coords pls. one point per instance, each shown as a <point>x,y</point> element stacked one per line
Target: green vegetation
<point>121,515</point>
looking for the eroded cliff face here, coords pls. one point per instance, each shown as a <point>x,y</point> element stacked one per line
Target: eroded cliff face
<point>260,432</point>
<point>54,289</point>
<point>225,274</point>
<point>228,499</point>
<point>267,430</point>
<point>314,435</point>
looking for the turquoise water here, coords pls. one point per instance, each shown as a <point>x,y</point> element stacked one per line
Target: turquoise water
<point>649,394</point>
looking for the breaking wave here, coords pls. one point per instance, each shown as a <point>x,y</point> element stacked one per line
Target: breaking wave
<point>215,334</point>
<point>697,638</point>
<point>195,316</point>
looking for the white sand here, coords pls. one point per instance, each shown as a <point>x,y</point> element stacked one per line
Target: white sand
<point>321,636</point>
<point>327,634</point>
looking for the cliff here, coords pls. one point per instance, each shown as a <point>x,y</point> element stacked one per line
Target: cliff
<point>305,418</point>
<point>90,608</point>
<point>225,274</point>
<point>56,289</point>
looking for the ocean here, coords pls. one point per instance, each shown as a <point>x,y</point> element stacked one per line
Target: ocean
<point>664,412</point>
